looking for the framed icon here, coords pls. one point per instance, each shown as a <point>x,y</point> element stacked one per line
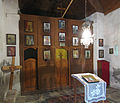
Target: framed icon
<point>87,54</point>
<point>75,29</point>
<point>47,40</point>
<point>61,24</point>
<point>62,43</point>
<point>29,40</point>
<point>101,53</point>
<point>61,36</point>
<point>100,42</point>
<point>110,50</point>
<point>28,26</point>
<point>11,39</point>
<point>75,54</point>
<point>47,27</point>
<point>46,55</point>
<point>11,51</point>
<point>75,41</point>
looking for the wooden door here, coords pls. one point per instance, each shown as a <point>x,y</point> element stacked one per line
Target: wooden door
<point>61,71</point>
<point>29,70</point>
<point>46,69</point>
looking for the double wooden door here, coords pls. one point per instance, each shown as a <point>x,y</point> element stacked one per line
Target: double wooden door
<point>46,76</point>
<point>54,74</point>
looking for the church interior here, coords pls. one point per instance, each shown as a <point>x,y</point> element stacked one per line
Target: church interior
<point>53,51</point>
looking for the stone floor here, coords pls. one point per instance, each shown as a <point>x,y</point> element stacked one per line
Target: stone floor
<point>113,95</point>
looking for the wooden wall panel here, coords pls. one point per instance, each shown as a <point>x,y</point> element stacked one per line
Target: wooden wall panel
<point>61,68</point>
<point>78,65</point>
<point>41,33</point>
<point>57,31</point>
<point>46,68</point>
<point>28,73</point>
<point>75,61</point>
<point>55,72</point>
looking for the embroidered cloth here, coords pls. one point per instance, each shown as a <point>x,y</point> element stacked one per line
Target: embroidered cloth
<point>94,92</point>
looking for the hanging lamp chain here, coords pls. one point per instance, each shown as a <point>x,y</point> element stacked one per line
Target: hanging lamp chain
<point>85,9</point>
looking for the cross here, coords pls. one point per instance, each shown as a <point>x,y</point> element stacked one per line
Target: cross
<point>60,55</point>
<point>11,68</point>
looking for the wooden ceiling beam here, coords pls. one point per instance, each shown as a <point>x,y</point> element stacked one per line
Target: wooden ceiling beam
<point>115,6</point>
<point>96,4</point>
<point>67,8</point>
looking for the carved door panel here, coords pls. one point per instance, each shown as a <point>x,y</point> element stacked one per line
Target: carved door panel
<point>46,69</point>
<point>29,70</point>
<point>61,71</point>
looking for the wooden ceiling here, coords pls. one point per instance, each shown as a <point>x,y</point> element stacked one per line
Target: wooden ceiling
<point>56,8</point>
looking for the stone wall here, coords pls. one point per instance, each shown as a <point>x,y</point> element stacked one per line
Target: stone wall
<point>9,24</point>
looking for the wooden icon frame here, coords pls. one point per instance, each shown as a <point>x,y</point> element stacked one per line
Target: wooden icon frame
<point>61,24</point>
<point>101,53</point>
<point>75,29</point>
<point>46,27</point>
<point>11,39</point>
<point>75,53</point>
<point>28,26</point>
<point>29,40</point>
<point>47,40</point>
<point>11,50</point>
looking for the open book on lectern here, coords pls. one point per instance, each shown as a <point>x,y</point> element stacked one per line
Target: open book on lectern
<point>90,78</point>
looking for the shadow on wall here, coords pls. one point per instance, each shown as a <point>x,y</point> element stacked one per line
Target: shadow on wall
<point>116,74</point>
<point>4,81</point>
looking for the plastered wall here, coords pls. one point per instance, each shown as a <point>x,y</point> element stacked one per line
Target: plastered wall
<point>112,40</point>
<point>9,24</point>
<point>98,32</point>
<point>107,27</point>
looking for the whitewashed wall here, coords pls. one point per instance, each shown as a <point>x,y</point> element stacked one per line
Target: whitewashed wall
<point>112,39</point>
<point>108,28</point>
<point>9,24</point>
<point>98,31</point>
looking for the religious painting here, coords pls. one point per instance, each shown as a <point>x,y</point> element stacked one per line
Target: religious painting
<point>29,40</point>
<point>101,53</point>
<point>62,43</point>
<point>75,29</point>
<point>110,50</point>
<point>87,54</point>
<point>47,27</point>
<point>46,55</point>
<point>100,42</point>
<point>75,54</point>
<point>28,26</point>
<point>75,41</point>
<point>11,39</point>
<point>61,36</point>
<point>11,50</point>
<point>61,24</point>
<point>61,54</point>
<point>47,40</point>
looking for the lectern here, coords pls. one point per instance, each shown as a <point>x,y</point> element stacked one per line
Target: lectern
<point>94,87</point>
